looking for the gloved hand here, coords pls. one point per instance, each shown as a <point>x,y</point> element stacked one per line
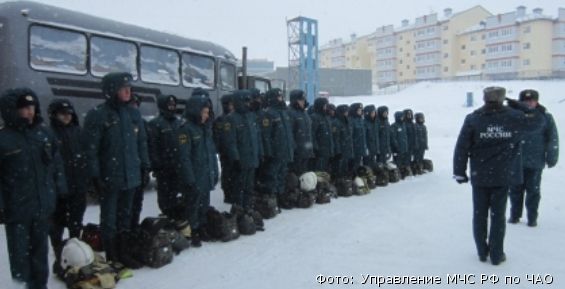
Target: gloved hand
<point>2,217</point>
<point>551,165</point>
<point>388,156</point>
<point>236,165</point>
<point>515,104</point>
<point>461,179</point>
<point>144,177</point>
<point>98,185</point>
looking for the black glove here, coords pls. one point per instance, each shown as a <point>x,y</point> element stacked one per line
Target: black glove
<point>98,185</point>
<point>461,179</point>
<point>2,217</point>
<point>512,102</point>
<point>236,165</point>
<point>144,177</point>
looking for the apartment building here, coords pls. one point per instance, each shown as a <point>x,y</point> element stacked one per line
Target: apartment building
<point>471,44</point>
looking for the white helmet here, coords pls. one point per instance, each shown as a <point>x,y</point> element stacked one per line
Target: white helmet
<point>359,182</point>
<point>76,253</point>
<point>308,181</point>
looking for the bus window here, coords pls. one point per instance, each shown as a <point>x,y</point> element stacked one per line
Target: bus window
<point>108,55</point>
<point>227,76</point>
<point>198,71</point>
<point>57,50</point>
<point>159,65</point>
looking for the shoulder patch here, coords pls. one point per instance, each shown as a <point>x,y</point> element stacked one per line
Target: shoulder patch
<point>266,122</point>
<point>183,138</point>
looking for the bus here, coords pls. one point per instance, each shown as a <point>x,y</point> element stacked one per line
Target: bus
<point>61,53</point>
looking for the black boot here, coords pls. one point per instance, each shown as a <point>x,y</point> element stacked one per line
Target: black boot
<point>513,220</point>
<point>195,239</point>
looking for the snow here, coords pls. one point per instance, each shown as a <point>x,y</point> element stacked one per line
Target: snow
<point>418,227</point>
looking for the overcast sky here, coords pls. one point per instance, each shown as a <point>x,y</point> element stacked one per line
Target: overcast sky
<point>261,24</point>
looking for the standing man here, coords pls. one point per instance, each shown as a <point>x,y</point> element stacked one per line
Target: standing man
<point>278,143</point>
<point>227,172</point>
<point>384,135</point>
<point>399,144</point>
<point>540,147</point>
<point>70,208</point>
<point>302,131</point>
<point>413,145</point>
<point>199,163</point>
<point>345,144</point>
<point>164,153</point>
<point>31,176</point>
<point>490,138</point>
<point>117,161</point>
<point>137,205</point>
<point>371,136</point>
<point>358,135</point>
<point>243,147</point>
<point>322,138</point>
<point>422,140</point>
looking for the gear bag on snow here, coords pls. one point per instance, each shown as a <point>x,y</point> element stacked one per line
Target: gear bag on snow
<point>222,226</point>
<point>366,173</point>
<point>97,275</point>
<point>393,173</point>
<point>267,206</point>
<point>344,187</point>
<point>92,236</point>
<point>151,242</point>
<point>381,173</point>
<point>361,187</point>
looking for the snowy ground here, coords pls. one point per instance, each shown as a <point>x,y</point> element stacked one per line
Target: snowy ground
<point>419,227</point>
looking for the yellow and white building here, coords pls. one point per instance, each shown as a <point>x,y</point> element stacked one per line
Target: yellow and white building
<point>471,44</point>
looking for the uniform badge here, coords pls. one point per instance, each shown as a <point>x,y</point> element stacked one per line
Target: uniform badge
<point>183,138</point>
<point>29,98</point>
<point>265,122</point>
<point>136,129</point>
<point>227,126</point>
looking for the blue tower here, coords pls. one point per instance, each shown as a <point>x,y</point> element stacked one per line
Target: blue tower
<point>303,55</point>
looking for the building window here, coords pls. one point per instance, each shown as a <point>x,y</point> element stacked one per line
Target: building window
<point>445,55</point>
<point>463,61</point>
<point>526,46</point>
<point>407,41</point>
<point>407,66</point>
<point>473,37</point>
<point>473,53</point>
<point>473,67</point>
<point>483,51</point>
<point>400,37</point>
<point>483,36</point>
<point>445,27</point>
<point>400,50</point>
<point>463,47</point>
<point>526,62</point>
<point>401,74</point>
<point>407,54</point>
<point>445,41</point>
<point>483,66</point>
<point>400,61</point>
<point>445,69</point>
<point>527,29</point>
